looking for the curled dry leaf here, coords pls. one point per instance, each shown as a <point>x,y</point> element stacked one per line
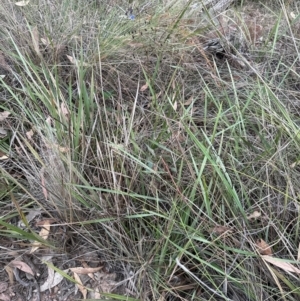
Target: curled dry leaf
<point>21,266</point>
<point>85,265</point>
<point>80,285</point>
<point>280,263</point>
<point>189,101</point>
<point>3,132</point>
<point>144,88</point>
<point>10,272</point>
<point>4,115</point>
<point>46,222</point>
<point>256,214</point>
<point>220,230</point>
<point>29,134</point>
<point>263,248</point>
<point>44,233</point>
<point>3,156</point>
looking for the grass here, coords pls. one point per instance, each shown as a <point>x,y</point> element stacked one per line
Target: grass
<point>152,153</point>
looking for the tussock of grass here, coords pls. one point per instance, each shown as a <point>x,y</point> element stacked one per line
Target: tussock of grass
<point>153,151</point>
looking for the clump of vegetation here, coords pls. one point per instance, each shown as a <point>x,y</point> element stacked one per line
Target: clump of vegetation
<point>157,138</point>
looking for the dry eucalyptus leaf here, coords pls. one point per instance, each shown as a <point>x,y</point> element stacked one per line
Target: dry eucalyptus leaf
<point>21,266</point>
<point>263,248</point>
<point>220,230</point>
<point>46,222</point>
<point>256,214</point>
<point>189,101</point>
<point>144,87</point>
<point>97,293</point>
<point>3,157</point>
<point>29,134</point>
<point>52,280</point>
<point>3,132</point>
<point>9,271</point>
<point>85,265</point>
<point>286,266</point>
<point>80,285</point>
<point>44,233</point>
<point>87,270</point>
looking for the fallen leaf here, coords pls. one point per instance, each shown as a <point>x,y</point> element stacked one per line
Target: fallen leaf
<point>81,270</point>
<point>85,265</point>
<point>5,297</point>
<point>52,280</point>
<point>32,214</point>
<point>220,230</point>
<point>286,266</point>
<point>21,266</point>
<point>3,286</point>
<point>263,247</point>
<point>3,132</point>
<point>35,40</point>
<point>175,106</point>
<point>189,101</point>
<point>256,214</point>
<point>46,221</point>
<point>29,134</point>
<point>3,157</point>
<point>80,285</point>
<point>4,115</point>
<point>10,272</point>
<point>44,233</point>
<point>97,293</point>
<point>22,3</point>
<point>144,87</point>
